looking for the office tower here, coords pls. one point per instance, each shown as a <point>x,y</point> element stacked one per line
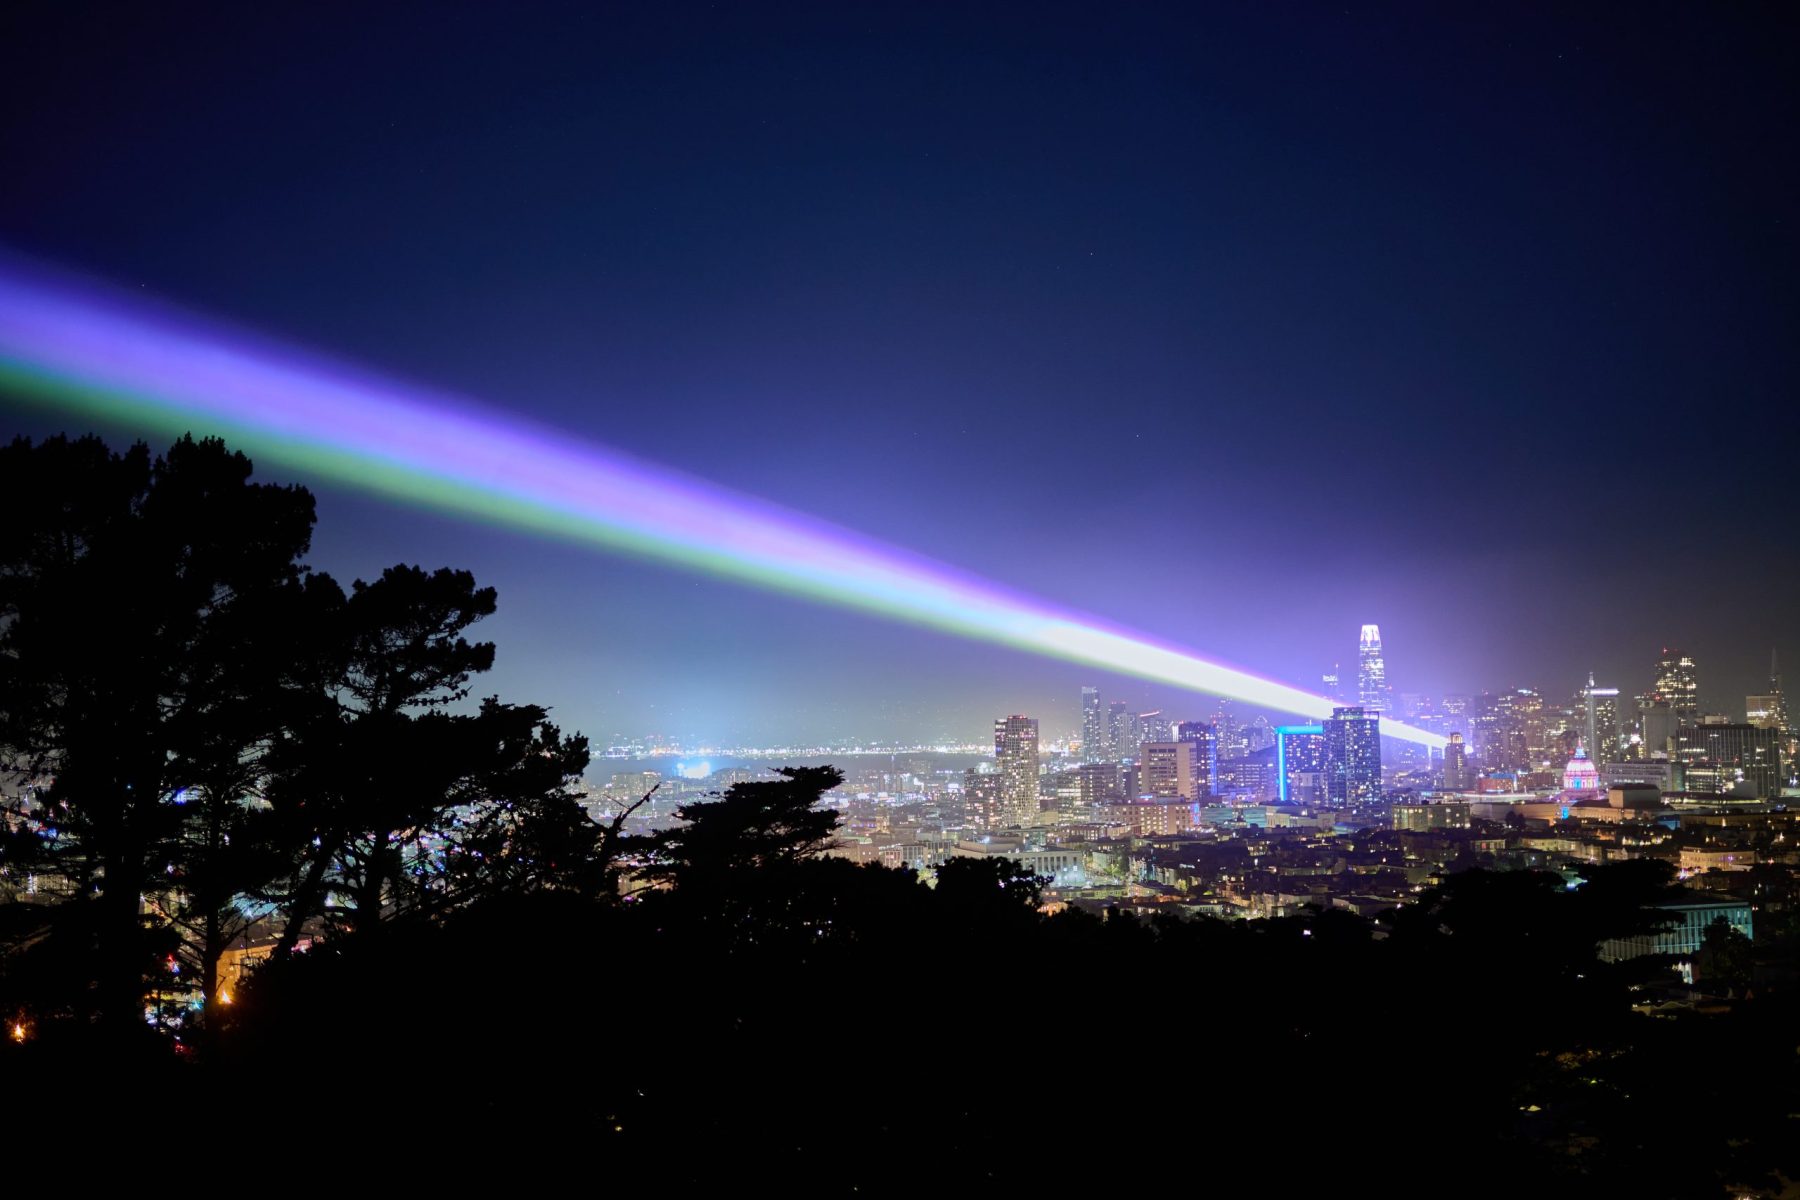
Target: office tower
<point>1529,730</point>
<point>1016,762</point>
<point>1127,732</point>
<point>1456,765</point>
<point>1228,735</point>
<point>1501,737</point>
<point>1100,783</point>
<point>1154,727</point>
<point>1677,687</point>
<point>1172,770</point>
<point>1252,777</point>
<point>1093,727</point>
<point>1726,758</point>
<point>1600,709</point>
<point>1258,735</point>
<point>1203,735</point>
<point>1352,756</point>
<point>1371,671</point>
<point>1300,763</point>
<point>1332,685</point>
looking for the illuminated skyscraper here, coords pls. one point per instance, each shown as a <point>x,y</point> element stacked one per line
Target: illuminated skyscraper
<point>1371,671</point>
<point>1332,685</point>
<point>1300,763</point>
<point>1016,762</point>
<point>1127,731</point>
<point>1601,709</point>
<point>1203,735</point>
<point>1154,727</point>
<point>1456,765</point>
<point>1352,757</point>
<point>1258,735</point>
<point>1093,727</point>
<point>1228,734</point>
<point>1121,738</point>
<point>1677,686</point>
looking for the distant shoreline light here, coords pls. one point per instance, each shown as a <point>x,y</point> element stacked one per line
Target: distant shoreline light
<point>80,348</point>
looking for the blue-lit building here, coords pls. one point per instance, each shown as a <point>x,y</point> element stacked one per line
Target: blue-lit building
<point>1300,763</point>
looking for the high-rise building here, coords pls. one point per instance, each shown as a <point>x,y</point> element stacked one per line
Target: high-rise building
<point>1533,726</point>
<point>1100,784</point>
<point>1677,686</point>
<point>1331,685</point>
<point>1601,708</point>
<point>1093,727</point>
<point>1258,735</point>
<point>1764,712</point>
<point>1500,733</point>
<point>1204,736</point>
<point>1726,758</point>
<point>1371,671</point>
<point>1154,727</point>
<point>1016,762</point>
<point>1252,777</point>
<point>1228,732</point>
<point>1121,733</point>
<point>1172,770</point>
<point>1456,765</point>
<point>1352,756</point>
<point>1300,763</point>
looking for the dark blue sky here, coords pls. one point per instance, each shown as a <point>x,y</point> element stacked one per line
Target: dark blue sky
<point>1241,324</point>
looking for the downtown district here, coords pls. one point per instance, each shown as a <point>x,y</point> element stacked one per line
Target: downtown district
<point>1219,816</point>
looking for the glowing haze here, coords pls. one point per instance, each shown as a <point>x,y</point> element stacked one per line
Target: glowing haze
<point>85,350</point>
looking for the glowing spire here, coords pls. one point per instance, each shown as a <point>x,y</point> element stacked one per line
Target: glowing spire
<point>124,360</point>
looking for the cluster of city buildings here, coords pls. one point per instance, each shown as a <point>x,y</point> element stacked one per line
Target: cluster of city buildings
<point>1229,816</point>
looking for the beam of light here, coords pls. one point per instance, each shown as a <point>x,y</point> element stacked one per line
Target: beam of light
<point>78,348</point>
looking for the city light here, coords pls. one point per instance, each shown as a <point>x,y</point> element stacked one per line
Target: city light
<point>80,349</point>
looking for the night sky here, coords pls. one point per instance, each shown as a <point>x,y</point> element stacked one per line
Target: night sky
<point>1242,325</point>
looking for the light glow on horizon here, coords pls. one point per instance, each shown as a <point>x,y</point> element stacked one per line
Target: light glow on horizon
<point>78,348</point>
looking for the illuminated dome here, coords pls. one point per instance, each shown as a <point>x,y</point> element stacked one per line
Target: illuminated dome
<point>1581,775</point>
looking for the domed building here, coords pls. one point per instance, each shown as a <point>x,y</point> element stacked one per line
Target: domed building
<point>1581,778</point>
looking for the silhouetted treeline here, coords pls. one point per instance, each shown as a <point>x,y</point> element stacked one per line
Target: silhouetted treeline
<point>475,982</point>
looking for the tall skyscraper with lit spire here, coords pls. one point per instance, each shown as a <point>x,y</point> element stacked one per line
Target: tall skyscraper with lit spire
<point>1371,671</point>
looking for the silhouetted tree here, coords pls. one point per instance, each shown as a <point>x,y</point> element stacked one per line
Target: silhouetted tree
<point>1726,956</point>
<point>118,574</point>
<point>754,824</point>
<point>370,779</point>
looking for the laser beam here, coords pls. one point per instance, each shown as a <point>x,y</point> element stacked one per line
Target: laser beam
<point>78,347</point>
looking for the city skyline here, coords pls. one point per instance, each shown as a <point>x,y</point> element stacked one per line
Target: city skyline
<point>609,559</point>
<point>959,306</point>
